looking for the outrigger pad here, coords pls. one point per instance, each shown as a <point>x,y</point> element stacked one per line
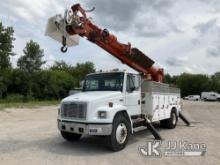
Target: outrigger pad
<point>140,58</point>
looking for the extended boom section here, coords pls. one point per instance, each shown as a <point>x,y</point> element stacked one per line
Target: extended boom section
<point>78,23</point>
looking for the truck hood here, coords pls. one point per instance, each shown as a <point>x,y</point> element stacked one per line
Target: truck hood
<point>92,96</point>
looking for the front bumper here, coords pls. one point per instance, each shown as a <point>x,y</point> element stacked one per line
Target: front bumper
<point>85,128</point>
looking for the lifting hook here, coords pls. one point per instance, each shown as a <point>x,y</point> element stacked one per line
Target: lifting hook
<point>64,47</point>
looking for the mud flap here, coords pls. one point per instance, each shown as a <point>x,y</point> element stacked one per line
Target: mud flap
<point>181,116</point>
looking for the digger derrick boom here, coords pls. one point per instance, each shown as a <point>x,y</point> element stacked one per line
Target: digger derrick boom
<point>78,23</point>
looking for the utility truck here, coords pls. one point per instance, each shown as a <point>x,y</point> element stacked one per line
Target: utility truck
<point>114,104</point>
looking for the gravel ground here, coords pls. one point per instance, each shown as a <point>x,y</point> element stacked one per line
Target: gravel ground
<point>30,136</point>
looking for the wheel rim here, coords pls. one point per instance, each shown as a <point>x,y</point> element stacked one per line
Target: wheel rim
<point>174,118</point>
<point>121,133</point>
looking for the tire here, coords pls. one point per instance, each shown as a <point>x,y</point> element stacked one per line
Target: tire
<point>163,123</point>
<point>120,133</point>
<point>171,122</point>
<point>70,136</point>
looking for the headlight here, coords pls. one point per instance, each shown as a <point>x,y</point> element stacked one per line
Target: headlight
<point>102,114</point>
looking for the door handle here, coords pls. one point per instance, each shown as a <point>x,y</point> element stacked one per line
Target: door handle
<point>139,102</point>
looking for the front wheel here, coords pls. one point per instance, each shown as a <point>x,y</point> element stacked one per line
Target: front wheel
<point>120,133</point>
<point>70,136</point>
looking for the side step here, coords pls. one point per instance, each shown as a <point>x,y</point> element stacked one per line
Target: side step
<point>181,116</point>
<point>141,128</point>
<point>141,124</point>
<point>138,122</point>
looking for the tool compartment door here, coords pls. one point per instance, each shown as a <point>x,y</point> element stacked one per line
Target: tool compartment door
<point>155,107</point>
<point>158,98</point>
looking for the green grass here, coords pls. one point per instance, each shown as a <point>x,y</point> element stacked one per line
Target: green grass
<point>30,104</point>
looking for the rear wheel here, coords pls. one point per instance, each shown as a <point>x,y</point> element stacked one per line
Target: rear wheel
<point>70,136</point>
<point>171,122</point>
<point>120,133</point>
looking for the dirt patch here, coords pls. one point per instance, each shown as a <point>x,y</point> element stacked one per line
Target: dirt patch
<point>30,136</point>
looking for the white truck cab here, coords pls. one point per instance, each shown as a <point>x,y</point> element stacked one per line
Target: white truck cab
<point>117,104</point>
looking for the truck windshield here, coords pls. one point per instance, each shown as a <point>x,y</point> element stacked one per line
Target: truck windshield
<point>104,82</point>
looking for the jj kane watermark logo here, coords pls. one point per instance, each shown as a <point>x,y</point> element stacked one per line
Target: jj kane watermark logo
<point>152,148</point>
<point>172,148</point>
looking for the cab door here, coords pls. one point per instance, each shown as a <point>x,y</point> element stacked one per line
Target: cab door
<point>133,94</point>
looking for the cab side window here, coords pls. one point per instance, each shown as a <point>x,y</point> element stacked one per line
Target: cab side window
<point>132,82</point>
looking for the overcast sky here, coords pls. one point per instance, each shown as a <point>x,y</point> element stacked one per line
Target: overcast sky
<point>179,35</point>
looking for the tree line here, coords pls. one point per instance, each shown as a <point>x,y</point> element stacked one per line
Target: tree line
<point>194,84</point>
<point>28,81</point>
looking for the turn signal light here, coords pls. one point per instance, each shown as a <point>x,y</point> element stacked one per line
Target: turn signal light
<point>110,104</point>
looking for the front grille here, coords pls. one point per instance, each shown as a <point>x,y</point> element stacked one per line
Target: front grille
<point>74,110</point>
